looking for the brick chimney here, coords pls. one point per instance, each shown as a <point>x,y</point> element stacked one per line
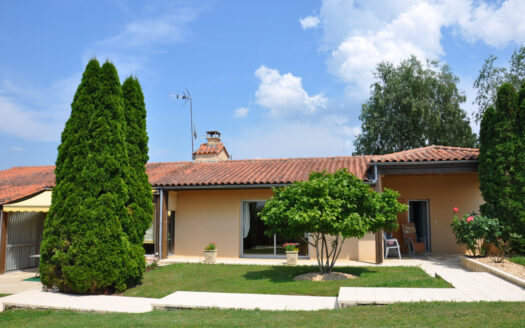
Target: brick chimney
<point>213,150</point>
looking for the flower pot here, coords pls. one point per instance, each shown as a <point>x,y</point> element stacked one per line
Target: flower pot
<point>210,256</point>
<point>292,257</point>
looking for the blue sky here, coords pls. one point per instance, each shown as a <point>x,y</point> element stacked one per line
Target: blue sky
<point>277,78</point>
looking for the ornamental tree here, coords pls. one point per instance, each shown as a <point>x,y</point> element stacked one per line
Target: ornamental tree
<point>331,207</point>
<point>502,162</point>
<point>85,249</point>
<point>139,202</point>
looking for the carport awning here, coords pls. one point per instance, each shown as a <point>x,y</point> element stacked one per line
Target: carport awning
<point>37,203</point>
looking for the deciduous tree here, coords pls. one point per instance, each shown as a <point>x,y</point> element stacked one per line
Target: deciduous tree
<point>491,77</point>
<point>413,105</point>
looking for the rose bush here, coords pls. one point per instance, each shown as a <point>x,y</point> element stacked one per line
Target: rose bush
<point>476,232</point>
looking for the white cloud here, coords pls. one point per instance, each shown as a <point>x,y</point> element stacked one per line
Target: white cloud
<point>163,29</point>
<point>327,137</point>
<point>36,114</point>
<point>415,31</point>
<point>358,34</point>
<point>241,112</point>
<point>309,22</point>
<point>284,94</point>
<point>25,124</point>
<point>495,24</point>
<point>131,48</point>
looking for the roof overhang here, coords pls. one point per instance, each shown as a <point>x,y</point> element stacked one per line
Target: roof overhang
<point>36,203</point>
<point>434,167</point>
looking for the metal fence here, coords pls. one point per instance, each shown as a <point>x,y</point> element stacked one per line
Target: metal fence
<point>24,234</point>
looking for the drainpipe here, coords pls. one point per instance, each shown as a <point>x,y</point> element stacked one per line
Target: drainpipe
<point>378,236</point>
<point>160,222</point>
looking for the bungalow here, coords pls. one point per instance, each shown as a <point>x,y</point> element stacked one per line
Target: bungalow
<point>214,198</point>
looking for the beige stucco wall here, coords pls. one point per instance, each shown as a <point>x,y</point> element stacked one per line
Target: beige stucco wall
<point>215,215</point>
<point>444,192</point>
<point>355,249</point>
<point>211,215</point>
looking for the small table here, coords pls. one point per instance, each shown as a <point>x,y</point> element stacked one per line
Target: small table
<point>35,256</point>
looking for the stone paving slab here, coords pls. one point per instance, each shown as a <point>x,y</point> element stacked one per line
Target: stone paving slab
<point>188,300</point>
<point>13,282</point>
<point>467,287</point>
<point>92,303</point>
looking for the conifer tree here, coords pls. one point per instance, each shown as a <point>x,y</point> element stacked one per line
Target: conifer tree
<point>501,166</point>
<point>86,249</point>
<point>140,198</point>
<point>74,148</point>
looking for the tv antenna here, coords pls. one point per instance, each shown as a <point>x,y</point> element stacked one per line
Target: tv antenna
<point>186,96</point>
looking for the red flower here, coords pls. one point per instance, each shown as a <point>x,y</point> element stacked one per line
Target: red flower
<point>455,210</point>
<point>470,218</point>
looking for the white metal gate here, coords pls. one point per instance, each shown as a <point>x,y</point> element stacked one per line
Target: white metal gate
<point>24,234</point>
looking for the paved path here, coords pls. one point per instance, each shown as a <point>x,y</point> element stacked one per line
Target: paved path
<point>13,282</point>
<point>187,300</point>
<point>418,261</point>
<point>467,287</point>
<point>37,299</point>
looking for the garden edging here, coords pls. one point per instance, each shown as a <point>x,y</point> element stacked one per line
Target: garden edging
<point>477,266</point>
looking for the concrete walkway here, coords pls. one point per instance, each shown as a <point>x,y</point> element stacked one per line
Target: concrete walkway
<point>38,299</point>
<point>13,282</point>
<point>467,287</point>
<point>418,261</point>
<point>190,300</point>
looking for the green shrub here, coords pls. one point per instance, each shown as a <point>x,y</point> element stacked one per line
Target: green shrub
<point>476,232</point>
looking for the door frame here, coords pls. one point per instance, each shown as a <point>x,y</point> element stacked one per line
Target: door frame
<point>427,201</point>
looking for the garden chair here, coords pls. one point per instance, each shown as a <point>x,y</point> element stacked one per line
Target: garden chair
<point>391,243</point>
<point>410,238</point>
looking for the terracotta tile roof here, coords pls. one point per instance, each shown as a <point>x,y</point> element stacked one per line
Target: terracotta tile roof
<point>429,154</point>
<point>210,149</point>
<point>250,172</point>
<point>19,182</point>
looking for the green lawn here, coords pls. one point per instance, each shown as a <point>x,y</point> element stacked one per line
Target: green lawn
<point>2,295</point>
<point>272,279</point>
<point>395,315</point>
<point>518,259</point>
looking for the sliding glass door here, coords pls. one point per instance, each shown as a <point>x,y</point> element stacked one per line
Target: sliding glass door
<point>255,243</point>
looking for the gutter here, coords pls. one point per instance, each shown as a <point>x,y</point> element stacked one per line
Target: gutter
<point>470,161</point>
<point>218,187</point>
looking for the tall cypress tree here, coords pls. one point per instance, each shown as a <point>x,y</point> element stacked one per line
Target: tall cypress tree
<point>74,148</point>
<point>140,198</point>
<point>90,252</point>
<point>501,162</point>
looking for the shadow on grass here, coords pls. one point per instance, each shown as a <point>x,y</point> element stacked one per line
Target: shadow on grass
<point>286,274</point>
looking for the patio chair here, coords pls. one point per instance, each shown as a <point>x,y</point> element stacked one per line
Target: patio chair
<point>391,243</point>
<point>410,238</point>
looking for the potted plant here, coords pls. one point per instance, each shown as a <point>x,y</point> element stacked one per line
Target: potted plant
<point>210,253</point>
<point>292,253</point>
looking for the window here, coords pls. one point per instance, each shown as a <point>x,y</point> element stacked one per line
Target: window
<point>255,241</point>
